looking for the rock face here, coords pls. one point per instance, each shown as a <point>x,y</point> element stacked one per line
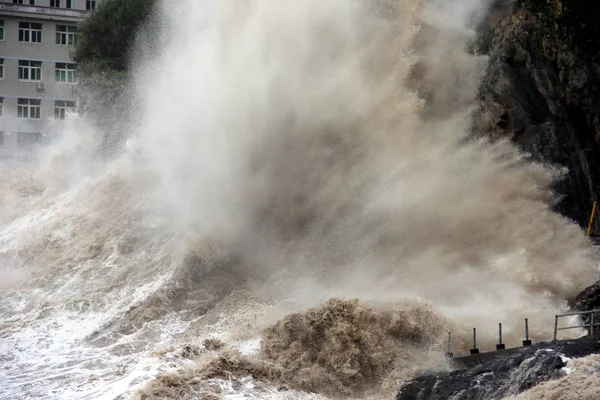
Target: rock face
<point>509,373</point>
<point>543,91</point>
<point>589,300</point>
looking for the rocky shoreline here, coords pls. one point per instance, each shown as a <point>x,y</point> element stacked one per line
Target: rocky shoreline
<point>509,373</point>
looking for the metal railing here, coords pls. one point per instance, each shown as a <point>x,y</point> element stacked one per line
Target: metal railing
<point>593,322</point>
<point>500,346</point>
<point>43,10</point>
<point>590,326</point>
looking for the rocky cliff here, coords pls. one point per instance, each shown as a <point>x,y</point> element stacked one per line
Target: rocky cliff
<point>542,89</point>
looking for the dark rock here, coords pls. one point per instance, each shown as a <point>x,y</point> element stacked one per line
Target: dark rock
<point>190,351</point>
<point>509,373</point>
<point>589,300</point>
<point>544,94</point>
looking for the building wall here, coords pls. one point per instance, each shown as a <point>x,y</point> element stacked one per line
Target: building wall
<point>48,49</point>
<point>48,53</point>
<point>77,4</point>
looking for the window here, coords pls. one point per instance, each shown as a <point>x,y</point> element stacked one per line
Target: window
<point>30,32</point>
<point>29,108</point>
<point>69,3</point>
<point>55,3</point>
<point>90,5</point>
<point>30,70</point>
<point>1,106</point>
<point>62,107</point>
<point>26,139</point>
<point>66,35</point>
<point>1,29</point>
<point>1,68</point>
<point>65,72</point>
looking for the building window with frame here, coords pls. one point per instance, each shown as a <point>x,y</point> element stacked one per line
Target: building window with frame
<point>66,35</point>
<point>55,3</point>
<point>90,5</point>
<point>62,108</point>
<point>69,4</point>
<point>1,29</point>
<point>30,32</point>
<point>29,108</point>
<point>30,70</point>
<point>26,139</point>
<point>65,73</point>
<point>1,68</point>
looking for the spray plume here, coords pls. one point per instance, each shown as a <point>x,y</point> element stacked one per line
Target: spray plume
<point>327,147</point>
<point>330,144</point>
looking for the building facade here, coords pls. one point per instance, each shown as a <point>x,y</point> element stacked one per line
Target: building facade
<point>37,74</point>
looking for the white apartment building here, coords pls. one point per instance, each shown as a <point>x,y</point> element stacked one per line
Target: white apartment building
<point>37,74</point>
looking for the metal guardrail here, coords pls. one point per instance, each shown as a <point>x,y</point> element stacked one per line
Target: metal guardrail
<point>590,326</point>
<point>500,346</point>
<point>43,10</point>
<point>594,322</point>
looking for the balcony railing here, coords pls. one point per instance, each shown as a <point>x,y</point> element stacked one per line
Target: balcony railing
<point>41,10</point>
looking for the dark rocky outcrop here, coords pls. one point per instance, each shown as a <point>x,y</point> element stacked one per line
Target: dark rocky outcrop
<point>509,373</point>
<point>589,300</point>
<point>542,89</point>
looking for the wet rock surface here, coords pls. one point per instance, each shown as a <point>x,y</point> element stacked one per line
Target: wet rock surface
<point>589,300</point>
<point>509,373</point>
<point>544,94</point>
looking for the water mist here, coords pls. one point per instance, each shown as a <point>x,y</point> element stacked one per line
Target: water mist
<point>331,145</point>
<point>298,150</point>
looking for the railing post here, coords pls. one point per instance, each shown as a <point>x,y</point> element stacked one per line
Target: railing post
<point>449,353</point>
<point>592,325</point>
<point>474,350</point>
<point>526,342</point>
<point>500,346</point>
<point>555,326</point>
